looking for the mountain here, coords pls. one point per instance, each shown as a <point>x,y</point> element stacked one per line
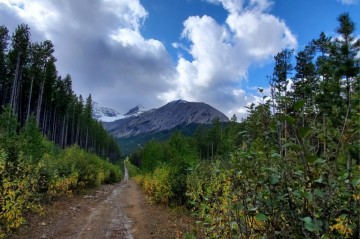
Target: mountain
<point>172,115</point>
<point>105,114</point>
<point>136,111</point>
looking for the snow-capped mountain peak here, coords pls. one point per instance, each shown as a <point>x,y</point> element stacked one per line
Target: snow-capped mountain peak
<point>106,114</point>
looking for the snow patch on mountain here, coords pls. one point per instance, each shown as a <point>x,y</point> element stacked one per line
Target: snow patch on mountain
<point>106,114</point>
<point>136,111</point>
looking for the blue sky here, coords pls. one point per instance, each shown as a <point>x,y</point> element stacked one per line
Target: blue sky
<point>149,52</point>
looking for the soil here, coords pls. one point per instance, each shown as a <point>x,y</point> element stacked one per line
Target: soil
<point>118,211</point>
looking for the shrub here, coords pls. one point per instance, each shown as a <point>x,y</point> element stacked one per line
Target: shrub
<point>18,183</point>
<point>157,185</point>
<point>132,169</point>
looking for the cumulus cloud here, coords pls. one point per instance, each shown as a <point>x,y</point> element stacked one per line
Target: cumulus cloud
<point>99,43</point>
<point>223,52</point>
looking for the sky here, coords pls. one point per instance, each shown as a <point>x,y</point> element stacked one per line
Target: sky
<point>150,52</point>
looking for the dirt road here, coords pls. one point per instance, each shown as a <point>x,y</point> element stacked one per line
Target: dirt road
<point>118,211</point>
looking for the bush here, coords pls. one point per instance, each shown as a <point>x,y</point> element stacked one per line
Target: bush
<point>87,168</point>
<point>25,183</point>
<point>132,169</point>
<point>255,196</point>
<point>157,185</point>
<point>18,183</point>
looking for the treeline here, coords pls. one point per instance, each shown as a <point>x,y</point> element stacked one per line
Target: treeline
<point>40,116</point>
<point>291,169</point>
<point>30,85</point>
<point>33,171</point>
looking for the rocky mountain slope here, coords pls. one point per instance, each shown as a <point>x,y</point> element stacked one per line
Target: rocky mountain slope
<point>167,117</point>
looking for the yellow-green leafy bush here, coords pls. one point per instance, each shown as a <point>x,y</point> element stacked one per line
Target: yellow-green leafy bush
<point>157,185</point>
<point>18,184</point>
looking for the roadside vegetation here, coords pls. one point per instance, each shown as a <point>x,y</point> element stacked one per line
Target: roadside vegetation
<point>49,144</point>
<point>291,169</point>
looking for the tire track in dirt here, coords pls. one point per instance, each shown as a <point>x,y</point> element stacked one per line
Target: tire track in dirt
<point>118,211</point>
<point>96,216</point>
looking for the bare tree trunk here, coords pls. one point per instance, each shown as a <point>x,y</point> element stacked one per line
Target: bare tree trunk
<point>45,119</point>
<point>13,100</point>
<point>66,131</point>
<point>54,126</point>
<point>72,138</point>
<point>38,112</point>
<point>86,139</point>
<point>77,138</point>
<point>29,101</point>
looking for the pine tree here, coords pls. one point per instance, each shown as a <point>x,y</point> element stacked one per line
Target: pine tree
<point>4,84</point>
<point>18,57</point>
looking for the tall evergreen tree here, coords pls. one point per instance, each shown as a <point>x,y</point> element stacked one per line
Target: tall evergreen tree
<point>18,58</point>
<point>4,85</point>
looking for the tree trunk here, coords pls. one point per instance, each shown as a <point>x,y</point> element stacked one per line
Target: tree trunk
<point>29,101</point>
<point>38,110</point>
<point>13,100</point>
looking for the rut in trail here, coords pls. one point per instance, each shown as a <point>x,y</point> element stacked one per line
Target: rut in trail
<point>118,211</point>
<point>100,215</point>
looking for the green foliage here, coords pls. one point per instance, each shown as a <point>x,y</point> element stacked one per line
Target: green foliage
<point>291,169</point>
<point>33,170</point>
<point>32,140</point>
<point>132,169</point>
<point>253,195</point>
<point>164,168</point>
<point>39,117</point>
<point>8,132</point>
<point>30,85</point>
<point>75,163</point>
<point>18,183</point>
<point>157,185</point>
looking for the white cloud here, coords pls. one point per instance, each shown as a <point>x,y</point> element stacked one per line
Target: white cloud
<point>223,52</point>
<point>99,43</point>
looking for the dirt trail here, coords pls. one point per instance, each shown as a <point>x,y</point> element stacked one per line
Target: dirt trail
<point>118,211</point>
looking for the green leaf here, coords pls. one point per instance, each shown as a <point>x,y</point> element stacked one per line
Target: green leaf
<point>234,226</point>
<point>319,180</point>
<point>319,193</point>
<point>275,155</point>
<point>309,224</point>
<point>292,146</point>
<point>309,197</point>
<point>298,105</point>
<point>319,161</point>
<point>290,119</point>
<point>311,158</point>
<point>269,169</point>
<point>304,132</point>
<point>355,182</point>
<point>274,179</point>
<point>261,217</point>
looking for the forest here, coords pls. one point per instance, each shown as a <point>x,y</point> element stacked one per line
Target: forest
<point>49,143</point>
<point>289,170</point>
